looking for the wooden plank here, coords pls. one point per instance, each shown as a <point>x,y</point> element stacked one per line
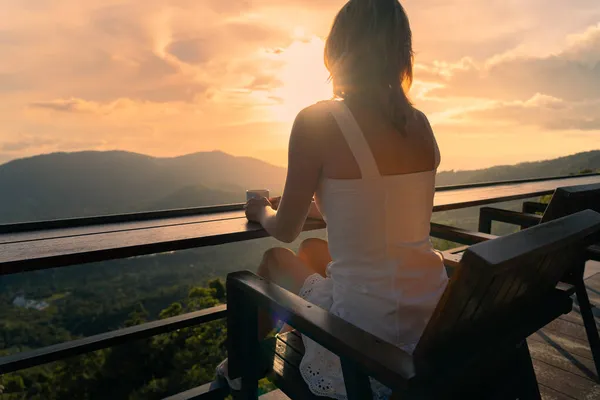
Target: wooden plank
<point>43,254</point>
<point>116,218</point>
<point>551,394</point>
<point>565,382</point>
<point>593,283</point>
<point>593,292</point>
<point>575,316</point>
<point>571,345</point>
<point>274,395</point>
<point>293,340</point>
<point>289,379</point>
<point>567,329</point>
<point>204,392</point>
<point>60,351</point>
<point>284,364</point>
<point>560,358</point>
<point>29,236</point>
<point>488,194</point>
<point>568,178</point>
<point>288,353</point>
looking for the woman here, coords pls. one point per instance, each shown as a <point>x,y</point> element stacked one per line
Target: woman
<point>369,158</point>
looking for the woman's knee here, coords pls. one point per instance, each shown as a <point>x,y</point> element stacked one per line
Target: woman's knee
<point>276,254</point>
<point>283,267</point>
<point>315,253</point>
<point>273,259</point>
<point>312,245</point>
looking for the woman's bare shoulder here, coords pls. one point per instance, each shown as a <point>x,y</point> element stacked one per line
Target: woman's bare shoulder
<point>420,123</point>
<point>420,118</point>
<point>319,109</point>
<point>424,128</point>
<point>317,117</point>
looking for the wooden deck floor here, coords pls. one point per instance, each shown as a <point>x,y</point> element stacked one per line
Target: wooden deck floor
<point>561,355</point>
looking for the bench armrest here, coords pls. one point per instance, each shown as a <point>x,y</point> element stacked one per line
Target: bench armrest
<point>452,258</point>
<point>246,291</point>
<point>489,214</point>
<point>459,235</point>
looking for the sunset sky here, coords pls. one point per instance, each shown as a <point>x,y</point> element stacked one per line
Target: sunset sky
<point>502,81</point>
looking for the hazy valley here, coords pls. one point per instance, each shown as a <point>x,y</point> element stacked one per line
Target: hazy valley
<point>46,307</point>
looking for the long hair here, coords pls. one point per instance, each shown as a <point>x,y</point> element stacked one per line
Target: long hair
<point>369,56</point>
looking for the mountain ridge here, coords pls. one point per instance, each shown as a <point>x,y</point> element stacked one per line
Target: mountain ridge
<point>63,185</point>
<point>224,154</point>
<point>76,184</point>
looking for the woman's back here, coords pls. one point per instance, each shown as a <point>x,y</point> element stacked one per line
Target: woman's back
<point>395,153</point>
<point>378,224</point>
<point>392,172</point>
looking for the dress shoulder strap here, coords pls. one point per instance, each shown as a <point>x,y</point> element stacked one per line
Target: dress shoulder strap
<point>355,139</point>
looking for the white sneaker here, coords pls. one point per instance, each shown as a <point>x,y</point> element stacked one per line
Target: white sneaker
<point>223,373</point>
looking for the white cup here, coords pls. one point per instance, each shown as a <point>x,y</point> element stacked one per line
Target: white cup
<point>256,194</point>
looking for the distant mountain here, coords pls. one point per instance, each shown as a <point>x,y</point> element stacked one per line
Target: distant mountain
<point>573,164</point>
<point>64,185</point>
<point>193,196</point>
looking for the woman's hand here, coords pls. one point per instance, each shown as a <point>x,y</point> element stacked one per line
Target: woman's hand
<point>257,208</point>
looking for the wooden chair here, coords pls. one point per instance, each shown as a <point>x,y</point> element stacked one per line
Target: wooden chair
<point>565,201</point>
<point>502,291</point>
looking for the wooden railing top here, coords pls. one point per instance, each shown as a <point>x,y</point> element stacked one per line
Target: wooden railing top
<point>49,244</point>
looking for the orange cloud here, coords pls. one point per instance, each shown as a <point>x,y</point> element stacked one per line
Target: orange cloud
<point>172,77</point>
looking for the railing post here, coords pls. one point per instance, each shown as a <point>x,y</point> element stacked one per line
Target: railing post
<point>242,343</point>
<point>485,220</point>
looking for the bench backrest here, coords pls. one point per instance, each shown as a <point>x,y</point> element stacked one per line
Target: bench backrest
<point>499,282</point>
<point>571,199</point>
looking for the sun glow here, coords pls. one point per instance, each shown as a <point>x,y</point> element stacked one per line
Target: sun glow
<point>303,76</point>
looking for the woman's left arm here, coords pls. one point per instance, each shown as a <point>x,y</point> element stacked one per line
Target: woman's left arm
<point>304,170</point>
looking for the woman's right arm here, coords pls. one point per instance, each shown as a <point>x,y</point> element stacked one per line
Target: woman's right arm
<point>313,212</point>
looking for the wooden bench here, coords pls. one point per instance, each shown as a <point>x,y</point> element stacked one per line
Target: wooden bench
<point>502,291</point>
<point>565,201</point>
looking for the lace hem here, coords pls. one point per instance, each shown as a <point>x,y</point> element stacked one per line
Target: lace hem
<point>320,368</point>
<point>325,378</point>
<point>309,284</point>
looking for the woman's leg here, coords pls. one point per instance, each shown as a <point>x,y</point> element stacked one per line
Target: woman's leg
<point>284,268</point>
<point>315,253</point>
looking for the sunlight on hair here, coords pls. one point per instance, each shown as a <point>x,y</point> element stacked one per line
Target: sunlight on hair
<point>304,77</point>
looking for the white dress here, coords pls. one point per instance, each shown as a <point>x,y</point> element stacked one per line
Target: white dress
<point>385,276</point>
